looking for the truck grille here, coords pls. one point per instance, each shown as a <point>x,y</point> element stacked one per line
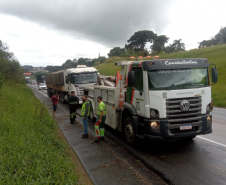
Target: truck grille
<point>80,92</point>
<point>177,117</point>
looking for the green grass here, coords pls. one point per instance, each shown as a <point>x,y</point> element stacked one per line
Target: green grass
<point>108,68</point>
<point>31,151</point>
<point>215,54</point>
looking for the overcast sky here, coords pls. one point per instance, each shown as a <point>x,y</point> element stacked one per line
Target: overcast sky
<point>48,32</point>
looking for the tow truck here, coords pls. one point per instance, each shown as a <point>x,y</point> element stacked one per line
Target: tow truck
<point>159,99</point>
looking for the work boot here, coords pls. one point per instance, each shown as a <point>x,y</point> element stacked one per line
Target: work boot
<point>102,138</point>
<point>84,136</point>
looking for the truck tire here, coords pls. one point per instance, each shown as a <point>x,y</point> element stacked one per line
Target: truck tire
<point>62,98</point>
<point>129,131</point>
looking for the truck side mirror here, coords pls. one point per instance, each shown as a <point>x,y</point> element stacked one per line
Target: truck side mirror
<point>214,74</point>
<point>131,79</point>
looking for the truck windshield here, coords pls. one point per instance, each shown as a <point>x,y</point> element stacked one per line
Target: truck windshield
<point>170,79</point>
<point>84,78</point>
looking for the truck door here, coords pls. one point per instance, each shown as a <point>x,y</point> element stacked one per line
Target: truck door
<point>137,96</point>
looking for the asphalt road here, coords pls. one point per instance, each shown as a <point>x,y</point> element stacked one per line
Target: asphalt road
<point>185,162</point>
<point>219,127</point>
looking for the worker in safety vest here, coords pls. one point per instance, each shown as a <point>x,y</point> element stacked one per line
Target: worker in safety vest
<point>101,117</point>
<point>85,113</point>
<point>73,101</point>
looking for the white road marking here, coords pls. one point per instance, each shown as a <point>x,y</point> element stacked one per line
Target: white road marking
<point>211,141</point>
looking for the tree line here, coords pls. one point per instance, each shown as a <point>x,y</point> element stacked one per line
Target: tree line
<point>10,68</point>
<point>136,45</point>
<point>73,63</point>
<point>219,38</point>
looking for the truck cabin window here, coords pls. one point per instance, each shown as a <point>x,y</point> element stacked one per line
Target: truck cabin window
<point>84,78</point>
<point>138,77</point>
<point>169,79</point>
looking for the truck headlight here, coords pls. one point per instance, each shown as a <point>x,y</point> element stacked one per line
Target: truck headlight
<point>209,119</point>
<point>154,113</point>
<point>154,125</point>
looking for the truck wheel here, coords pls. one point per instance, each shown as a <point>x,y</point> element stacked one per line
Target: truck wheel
<point>129,131</point>
<point>62,98</point>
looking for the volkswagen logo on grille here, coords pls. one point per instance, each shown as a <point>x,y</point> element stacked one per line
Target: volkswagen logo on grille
<point>184,105</point>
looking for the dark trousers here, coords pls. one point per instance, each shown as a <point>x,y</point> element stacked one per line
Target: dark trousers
<point>72,112</point>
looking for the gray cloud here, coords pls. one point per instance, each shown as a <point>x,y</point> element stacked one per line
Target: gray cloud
<point>109,22</point>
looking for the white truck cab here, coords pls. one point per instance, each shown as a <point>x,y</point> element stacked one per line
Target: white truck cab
<point>77,78</point>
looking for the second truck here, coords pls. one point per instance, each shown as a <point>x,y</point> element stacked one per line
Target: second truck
<point>74,79</point>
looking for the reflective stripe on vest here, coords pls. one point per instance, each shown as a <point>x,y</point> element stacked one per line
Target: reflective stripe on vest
<point>73,103</point>
<point>83,111</point>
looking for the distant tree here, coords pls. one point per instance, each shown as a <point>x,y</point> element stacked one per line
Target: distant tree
<point>116,51</point>
<point>69,64</point>
<point>159,43</point>
<point>81,61</point>
<point>10,68</point>
<point>127,53</point>
<point>219,38</point>
<point>49,68</point>
<point>143,53</point>
<point>94,60</point>
<point>178,45</point>
<point>169,49</point>
<point>101,59</point>
<point>139,39</point>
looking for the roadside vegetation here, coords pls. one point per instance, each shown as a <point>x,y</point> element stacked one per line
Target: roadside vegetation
<point>32,149</point>
<point>31,152</point>
<point>215,54</point>
<point>10,68</point>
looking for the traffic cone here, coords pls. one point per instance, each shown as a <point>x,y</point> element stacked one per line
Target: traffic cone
<point>121,100</point>
<point>117,78</point>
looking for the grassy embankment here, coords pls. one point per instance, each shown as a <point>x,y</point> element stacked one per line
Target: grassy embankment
<point>215,54</point>
<point>31,150</point>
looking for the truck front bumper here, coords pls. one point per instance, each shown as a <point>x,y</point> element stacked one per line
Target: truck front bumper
<point>167,130</point>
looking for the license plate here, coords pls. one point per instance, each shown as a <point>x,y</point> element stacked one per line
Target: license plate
<point>186,127</point>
